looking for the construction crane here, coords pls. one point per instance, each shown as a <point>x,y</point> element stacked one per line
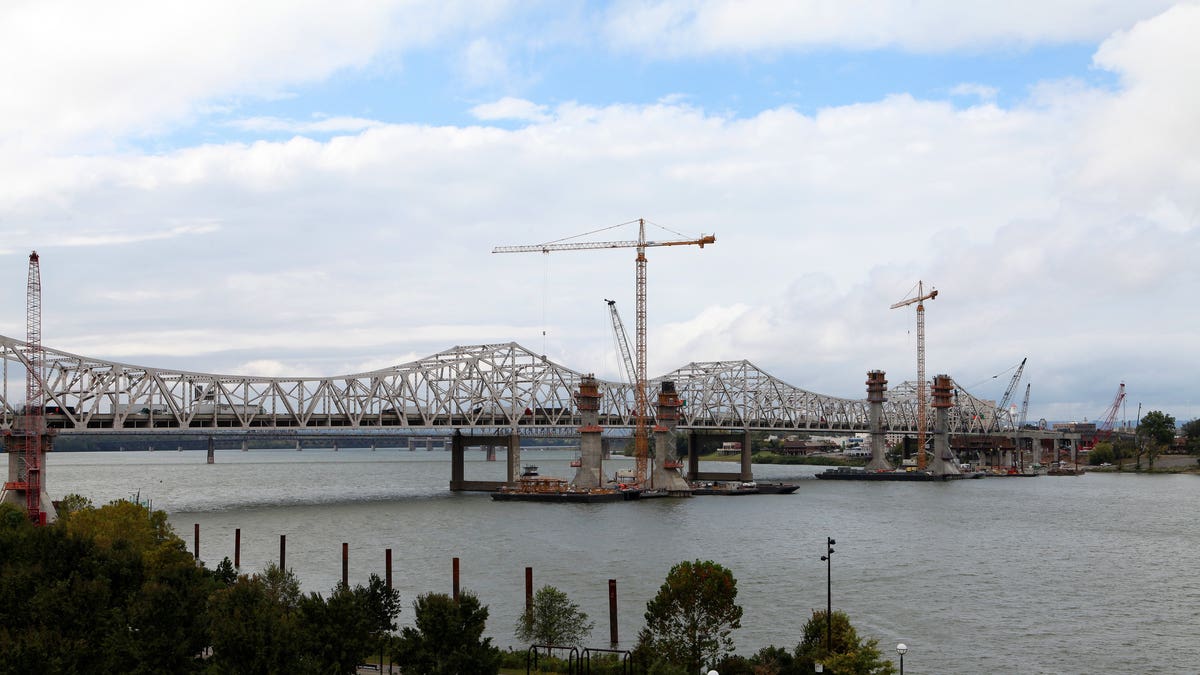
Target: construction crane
<point>1024,407</point>
<point>622,341</point>
<point>641,443</point>
<point>1104,430</point>
<point>1012,385</point>
<point>25,440</point>
<point>920,299</point>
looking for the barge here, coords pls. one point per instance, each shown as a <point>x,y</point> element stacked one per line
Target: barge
<point>850,473</point>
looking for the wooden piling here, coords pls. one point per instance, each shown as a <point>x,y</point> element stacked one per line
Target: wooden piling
<point>528,590</point>
<point>388,568</point>
<point>456,579</point>
<point>612,612</point>
<point>237,548</point>
<point>346,564</point>
<point>283,552</point>
<point>196,543</point>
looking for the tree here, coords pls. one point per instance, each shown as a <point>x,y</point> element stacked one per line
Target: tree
<point>1191,430</point>
<point>448,637</point>
<point>554,620</point>
<point>1102,453</point>
<point>848,655</point>
<point>692,618</point>
<point>1157,430</point>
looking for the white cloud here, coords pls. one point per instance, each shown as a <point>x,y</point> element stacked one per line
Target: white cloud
<point>679,27</point>
<point>509,108</point>
<point>90,70</point>
<point>323,125</point>
<point>981,91</point>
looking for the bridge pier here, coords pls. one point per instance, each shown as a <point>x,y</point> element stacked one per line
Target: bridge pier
<point>245,445</point>
<point>944,462</point>
<point>211,456</point>
<point>298,447</point>
<point>491,452</point>
<point>876,390</point>
<point>590,473</point>
<point>747,470</point>
<point>666,474</point>
<point>335,445</point>
<point>514,457</point>
<point>456,461</point>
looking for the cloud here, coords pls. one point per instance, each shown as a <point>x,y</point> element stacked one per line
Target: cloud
<point>980,91</point>
<point>678,27</point>
<point>324,125</point>
<point>509,108</point>
<point>91,71</point>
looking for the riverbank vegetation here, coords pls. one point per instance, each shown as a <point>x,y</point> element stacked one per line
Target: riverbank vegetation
<point>114,589</point>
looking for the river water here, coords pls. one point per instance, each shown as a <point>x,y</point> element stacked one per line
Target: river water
<point>1045,575</point>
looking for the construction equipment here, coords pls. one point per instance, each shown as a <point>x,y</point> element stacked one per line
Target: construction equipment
<point>1104,430</point>
<point>1024,407</point>
<point>641,445</point>
<point>622,342</point>
<point>1012,385</point>
<point>922,413</point>
<point>26,440</point>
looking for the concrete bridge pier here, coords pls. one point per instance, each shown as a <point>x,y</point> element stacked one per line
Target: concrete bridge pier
<point>428,445</point>
<point>211,455</point>
<point>335,445</point>
<point>514,457</point>
<point>245,446</point>
<point>298,447</point>
<point>876,395</point>
<point>491,452</point>
<point>944,462</point>
<point>747,473</point>
<point>456,461</point>
<point>666,474</point>
<point>590,473</point>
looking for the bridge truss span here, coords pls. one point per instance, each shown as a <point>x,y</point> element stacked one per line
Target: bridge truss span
<point>496,386</point>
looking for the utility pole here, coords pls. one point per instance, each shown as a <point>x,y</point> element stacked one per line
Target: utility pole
<point>828,559</point>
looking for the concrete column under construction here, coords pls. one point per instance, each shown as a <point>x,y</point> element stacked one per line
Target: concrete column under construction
<point>16,488</point>
<point>666,473</point>
<point>693,466</point>
<point>944,462</point>
<point>876,395</point>
<point>590,473</point>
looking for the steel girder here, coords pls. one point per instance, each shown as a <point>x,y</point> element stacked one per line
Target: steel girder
<point>482,386</point>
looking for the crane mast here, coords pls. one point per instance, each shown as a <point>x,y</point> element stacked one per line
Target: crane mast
<point>1024,407</point>
<point>641,436</point>
<point>1012,385</point>
<point>922,414</point>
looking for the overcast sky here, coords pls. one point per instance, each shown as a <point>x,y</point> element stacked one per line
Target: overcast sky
<point>309,188</point>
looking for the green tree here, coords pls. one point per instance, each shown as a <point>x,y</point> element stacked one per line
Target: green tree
<point>1157,431</point>
<point>1191,430</point>
<point>1101,454</point>
<point>554,620</point>
<point>691,620</point>
<point>448,637</point>
<point>849,654</point>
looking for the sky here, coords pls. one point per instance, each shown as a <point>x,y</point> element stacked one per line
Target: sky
<point>307,188</point>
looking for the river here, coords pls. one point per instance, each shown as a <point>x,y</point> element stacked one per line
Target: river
<point>1046,575</point>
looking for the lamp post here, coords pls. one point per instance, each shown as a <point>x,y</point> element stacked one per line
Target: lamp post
<point>900,649</point>
<point>828,560</point>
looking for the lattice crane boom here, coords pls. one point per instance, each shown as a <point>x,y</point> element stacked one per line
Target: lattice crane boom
<point>1024,407</point>
<point>641,436</point>
<point>1104,430</point>
<point>34,422</point>
<point>922,412</point>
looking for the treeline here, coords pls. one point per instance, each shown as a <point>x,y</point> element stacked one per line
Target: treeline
<point>113,589</point>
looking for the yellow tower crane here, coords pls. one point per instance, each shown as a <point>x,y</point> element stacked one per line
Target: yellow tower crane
<point>920,299</point>
<point>641,411</point>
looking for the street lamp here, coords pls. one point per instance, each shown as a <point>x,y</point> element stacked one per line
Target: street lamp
<point>900,649</point>
<point>828,560</point>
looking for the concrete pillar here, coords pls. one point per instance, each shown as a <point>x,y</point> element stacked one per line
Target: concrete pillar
<point>944,462</point>
<point>20,478</point>
<point>335,445</point>
<point>298,446</point>
<point>456,461</point>
<point>590,473</point>
<point>747,472</point>
<point>666,471</point>
<point>428,445</point>
<point>211,456</point>
<point>876,395</point>
<point>490,450</point>
<point>514,457</point>
<point>693,469</point>
<point>244,446</point>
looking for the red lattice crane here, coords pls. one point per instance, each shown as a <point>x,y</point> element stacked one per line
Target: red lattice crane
<point>1104,430</point>
<point>26,440</point>
<point>922,413</point>
<point>641,436</point>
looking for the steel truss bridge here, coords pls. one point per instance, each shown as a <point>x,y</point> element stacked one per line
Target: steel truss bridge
<point>488,388</point>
